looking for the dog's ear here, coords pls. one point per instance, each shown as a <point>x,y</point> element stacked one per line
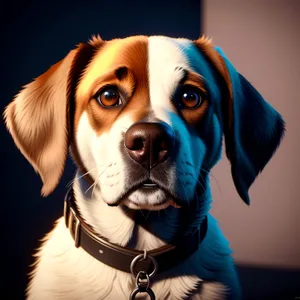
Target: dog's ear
<point>38,119</point>
<point>252,128</point>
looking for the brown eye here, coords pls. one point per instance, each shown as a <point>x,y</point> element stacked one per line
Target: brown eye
<point>109,97</point>
<point>191,98</point>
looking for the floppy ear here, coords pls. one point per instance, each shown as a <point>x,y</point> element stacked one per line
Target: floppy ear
<point>252,128</point>
<point>37,121</point>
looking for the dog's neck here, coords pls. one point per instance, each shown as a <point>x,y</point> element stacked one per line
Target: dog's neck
<point>132,228</point>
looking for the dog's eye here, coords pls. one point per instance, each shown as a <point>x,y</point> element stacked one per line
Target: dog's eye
<point>191,98</point>
<point>109,97</point>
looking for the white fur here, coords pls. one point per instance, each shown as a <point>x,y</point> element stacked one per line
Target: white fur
<point>66,272</point>
<point>166,61</point>
<point>101,156</point>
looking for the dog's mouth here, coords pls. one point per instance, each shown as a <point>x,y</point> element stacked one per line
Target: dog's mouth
<point>149,184</point>
<point>146,188</point>
<point>157,206</point>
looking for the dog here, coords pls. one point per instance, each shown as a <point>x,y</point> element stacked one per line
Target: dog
<point>143,118</point>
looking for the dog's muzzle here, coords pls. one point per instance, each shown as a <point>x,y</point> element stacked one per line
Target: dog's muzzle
<point>149,151</point>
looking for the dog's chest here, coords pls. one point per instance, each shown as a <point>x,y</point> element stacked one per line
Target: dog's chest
<point>71,273</point>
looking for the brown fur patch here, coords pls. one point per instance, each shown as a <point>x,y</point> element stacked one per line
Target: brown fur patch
<point>205,46</point>
<point>95,41</point>
<point>129,54</point>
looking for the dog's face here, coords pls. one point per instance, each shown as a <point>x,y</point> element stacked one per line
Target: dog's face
<point>137,107</point>
<point>144,117</point>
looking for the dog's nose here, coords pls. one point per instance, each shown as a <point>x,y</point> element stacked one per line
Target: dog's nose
<point>149,143</point>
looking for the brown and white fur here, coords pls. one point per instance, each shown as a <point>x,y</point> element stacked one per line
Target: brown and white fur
<point>58,111</point>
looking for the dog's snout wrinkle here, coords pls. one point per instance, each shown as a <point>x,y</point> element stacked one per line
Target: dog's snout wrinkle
<point>149,143</point>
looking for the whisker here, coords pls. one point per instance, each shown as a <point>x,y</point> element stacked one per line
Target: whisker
<point>211,174</point>
<point>95,182</point>
<point>207,172</point>
<point>141,211</point>
<point>219,187</point>
<point>185,191</point>
<point>127,210</point>
<point>92,185</point>
<point>148,214</point>
<point>86,173</point>
<point>79,177</point>
<point>72,181</point>
<point>203,187</point>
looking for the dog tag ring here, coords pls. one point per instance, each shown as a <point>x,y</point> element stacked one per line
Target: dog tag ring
<point>142,283</point>
<point>142,278</point>
<point>136,291</point>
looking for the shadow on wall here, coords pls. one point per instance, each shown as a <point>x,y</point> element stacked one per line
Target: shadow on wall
<point>35,35</point>
<point>262,41</point>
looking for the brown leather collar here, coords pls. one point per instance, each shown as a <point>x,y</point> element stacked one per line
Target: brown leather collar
<point>121,257</point>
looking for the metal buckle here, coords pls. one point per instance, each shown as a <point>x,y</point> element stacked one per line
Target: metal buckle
<point>76,233</point>
<point>66,212</point>
<point>70,216</point>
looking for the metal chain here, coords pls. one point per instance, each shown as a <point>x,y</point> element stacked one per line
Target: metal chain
<point>142,278</point>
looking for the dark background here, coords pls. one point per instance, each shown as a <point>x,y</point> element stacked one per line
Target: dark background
<point>35,35</point>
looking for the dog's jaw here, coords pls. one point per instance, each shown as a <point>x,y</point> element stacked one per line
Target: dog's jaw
<point>149,229</point>
<point>116,223</point>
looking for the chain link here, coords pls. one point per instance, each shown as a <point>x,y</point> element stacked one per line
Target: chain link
<point>142,278</point>
<point>142,283</point>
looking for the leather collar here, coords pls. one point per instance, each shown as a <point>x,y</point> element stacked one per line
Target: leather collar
<point>121,258</point>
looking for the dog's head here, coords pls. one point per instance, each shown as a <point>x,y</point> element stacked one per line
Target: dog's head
<point>144,116</point>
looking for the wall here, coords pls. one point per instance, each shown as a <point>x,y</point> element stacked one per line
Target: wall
<point>262,40</point>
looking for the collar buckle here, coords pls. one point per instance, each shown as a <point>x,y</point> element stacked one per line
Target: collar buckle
<point>71,220</point>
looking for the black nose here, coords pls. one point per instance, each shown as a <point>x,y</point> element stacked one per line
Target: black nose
<point>149,143</point>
